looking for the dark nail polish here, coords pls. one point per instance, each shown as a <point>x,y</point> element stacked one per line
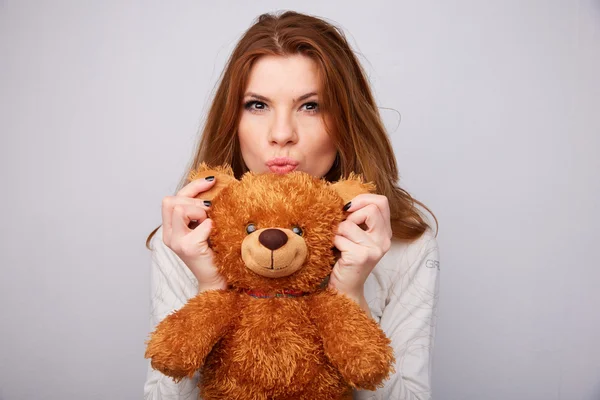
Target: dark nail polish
<point>210,178</point>
<point>347,206</point>
<point>207,203</point>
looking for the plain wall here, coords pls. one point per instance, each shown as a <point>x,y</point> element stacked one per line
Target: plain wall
<point>100,105</point>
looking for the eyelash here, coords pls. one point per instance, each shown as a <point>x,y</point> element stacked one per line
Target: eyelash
<point>248,106</point>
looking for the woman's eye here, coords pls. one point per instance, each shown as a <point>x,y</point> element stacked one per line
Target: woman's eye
<point>250,228</point>
<point>297,230</point>
<point>256,106</point>
<point>313,107</point>
<point>250,106</point>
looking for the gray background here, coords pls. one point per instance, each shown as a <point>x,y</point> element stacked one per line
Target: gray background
<point>100,107</point>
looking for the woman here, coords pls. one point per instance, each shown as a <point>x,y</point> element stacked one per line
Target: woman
<point>294,97</point>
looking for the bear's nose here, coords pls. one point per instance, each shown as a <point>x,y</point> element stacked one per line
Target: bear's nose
<point>272,238</point>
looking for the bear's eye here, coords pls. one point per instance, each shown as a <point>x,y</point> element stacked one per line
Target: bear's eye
<point>250,228</point>
<point>297,230</point>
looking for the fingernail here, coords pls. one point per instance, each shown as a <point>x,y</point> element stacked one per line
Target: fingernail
<point>207,203</point>
<point>347,206</point>
<point>210,178</point>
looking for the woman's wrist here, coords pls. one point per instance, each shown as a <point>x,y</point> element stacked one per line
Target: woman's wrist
<point>216,284</point>
<point>362,302</point>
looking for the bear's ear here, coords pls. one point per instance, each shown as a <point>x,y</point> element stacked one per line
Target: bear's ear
<point>223,178</point>
<point>349,188</point>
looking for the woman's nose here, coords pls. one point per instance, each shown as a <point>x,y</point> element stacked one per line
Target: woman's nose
<point>283,130</point>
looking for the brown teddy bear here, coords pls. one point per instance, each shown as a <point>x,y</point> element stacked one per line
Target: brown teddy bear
<point>277,332</point>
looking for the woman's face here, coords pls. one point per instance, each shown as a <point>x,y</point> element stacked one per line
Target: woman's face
<point>282,127</point>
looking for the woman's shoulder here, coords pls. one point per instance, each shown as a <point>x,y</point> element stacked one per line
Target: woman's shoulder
<point>404,255</point>
<point>406,263</point>
<point>427,240</point>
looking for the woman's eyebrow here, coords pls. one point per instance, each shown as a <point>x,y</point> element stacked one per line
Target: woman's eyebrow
<point>266,99</point>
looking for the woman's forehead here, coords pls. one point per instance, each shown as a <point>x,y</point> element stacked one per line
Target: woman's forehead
<point>278,77</point>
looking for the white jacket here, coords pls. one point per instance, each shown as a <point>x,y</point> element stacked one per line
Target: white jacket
<point>402,293</point>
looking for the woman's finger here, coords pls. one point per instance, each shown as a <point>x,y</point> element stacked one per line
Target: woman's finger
<point>353,255</point>
<point>352,232</point>
<point>197,186</point>
<point>182,215</point>
<point>186,195</point>
<point>344,245</point>
<point>168,203</point>
<point>198,238</point>
<point>363,200</point>
<point>371,216</point>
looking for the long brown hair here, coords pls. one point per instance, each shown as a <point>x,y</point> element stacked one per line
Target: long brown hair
<point>357,130</point>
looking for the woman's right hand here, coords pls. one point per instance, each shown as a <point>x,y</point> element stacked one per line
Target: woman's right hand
<point>188,241</point>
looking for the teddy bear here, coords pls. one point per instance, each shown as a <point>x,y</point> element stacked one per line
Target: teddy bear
<point>277,332</point>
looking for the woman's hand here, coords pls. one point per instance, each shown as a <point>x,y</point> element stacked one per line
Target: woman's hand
<point>361,249</point>
<point>188,238</point>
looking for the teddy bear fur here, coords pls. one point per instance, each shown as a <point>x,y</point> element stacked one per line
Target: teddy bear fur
<point>277,332</point>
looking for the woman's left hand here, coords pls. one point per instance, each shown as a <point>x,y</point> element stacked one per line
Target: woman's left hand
<point>361,249</point>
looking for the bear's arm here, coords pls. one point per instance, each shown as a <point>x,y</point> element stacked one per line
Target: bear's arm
<point>352,341</point>
<point>182,340</point>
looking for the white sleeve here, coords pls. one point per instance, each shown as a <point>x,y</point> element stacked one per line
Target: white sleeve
<point>172,284</point>
<point>408,319</point>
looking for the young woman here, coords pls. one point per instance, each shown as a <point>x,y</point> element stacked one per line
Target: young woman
<point>294,97</point>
